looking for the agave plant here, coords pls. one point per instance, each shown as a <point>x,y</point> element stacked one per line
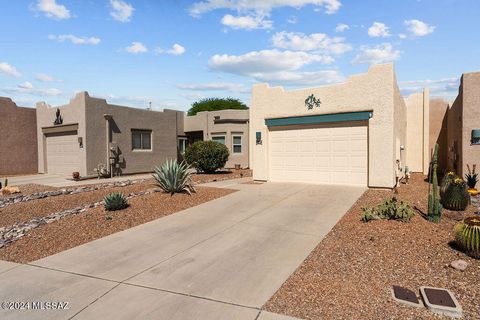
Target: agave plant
<point>174,177</point>
<point>472,177</point>
<point>115,201</point>
<point>467,236</point>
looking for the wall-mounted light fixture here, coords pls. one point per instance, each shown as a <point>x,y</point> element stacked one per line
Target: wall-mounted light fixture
<point>258,137</point>
<point>476,136</point>
<point>80,142</point>
<point>402,147</point>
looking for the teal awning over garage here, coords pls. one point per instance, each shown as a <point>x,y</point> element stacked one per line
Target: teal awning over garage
<point>319,118</point>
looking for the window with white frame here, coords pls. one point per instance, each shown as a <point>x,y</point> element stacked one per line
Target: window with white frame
<point>219,139</point>
<point>237,144</point>
<point>141,139</point>
<point>182,145</point>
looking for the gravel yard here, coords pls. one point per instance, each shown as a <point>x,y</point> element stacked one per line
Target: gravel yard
<point>29,189</point>
<point>350,273</point>
<point>76,230</point>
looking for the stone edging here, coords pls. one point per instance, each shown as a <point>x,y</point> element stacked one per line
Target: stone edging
<point>45,194</point>
<point>19,229</point>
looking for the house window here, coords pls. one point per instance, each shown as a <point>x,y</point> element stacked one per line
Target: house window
<point>141,140</point>
<point>220,139</point>
<point>182,145</point>
<point>237,144</point>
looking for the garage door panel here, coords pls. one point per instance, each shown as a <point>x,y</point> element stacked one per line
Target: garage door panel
<point>336,154</point>
<point>62,153</point>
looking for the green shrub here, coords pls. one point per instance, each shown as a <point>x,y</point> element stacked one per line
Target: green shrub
<point>390,209</point>
<point>173,177</point>
<point>467,236</point>
<point>456,196</point>
<point>206,156</point>
<point>115,201</point>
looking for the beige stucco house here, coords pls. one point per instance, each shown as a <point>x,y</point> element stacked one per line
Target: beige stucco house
<point>18,143</point>
<point>463,129</point>
<point>418,132</point>
<point>230,127</point>
<point>351,133</point>
<point>88,132</point>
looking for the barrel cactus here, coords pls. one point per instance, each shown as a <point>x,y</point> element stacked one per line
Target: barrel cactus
<point>467,236</point>
<point>446,181</point>
<point>456,196</point>
<point>115,201</point>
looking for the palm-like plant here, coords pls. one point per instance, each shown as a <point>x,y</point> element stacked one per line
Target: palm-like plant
<point>472,177</point>
<point>174,177</point>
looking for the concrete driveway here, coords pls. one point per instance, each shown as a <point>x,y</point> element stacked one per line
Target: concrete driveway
<point>221,260</point>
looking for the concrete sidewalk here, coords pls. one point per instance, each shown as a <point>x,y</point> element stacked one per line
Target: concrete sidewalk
<point>221,260</point>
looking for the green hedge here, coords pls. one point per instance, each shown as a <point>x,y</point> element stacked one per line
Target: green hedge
<point>207,156</point>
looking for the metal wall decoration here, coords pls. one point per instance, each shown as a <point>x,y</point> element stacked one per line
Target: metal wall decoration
<point>58,119</point>
<point>311,102</point>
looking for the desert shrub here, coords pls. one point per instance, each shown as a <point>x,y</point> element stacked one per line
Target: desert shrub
<point>472,177</point>
<point>390,209</point>
<point>115,201</point>
<point>467,236</point>
<point>173,177</point>
<point>207,156</point>
<point>456,197</point>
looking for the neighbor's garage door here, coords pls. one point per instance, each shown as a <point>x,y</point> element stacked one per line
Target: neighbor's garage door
<point>323,154</point>
<point>62,153</point>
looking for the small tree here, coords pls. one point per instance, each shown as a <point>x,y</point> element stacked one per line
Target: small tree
<point>215,104</point>
<point>207,156</point>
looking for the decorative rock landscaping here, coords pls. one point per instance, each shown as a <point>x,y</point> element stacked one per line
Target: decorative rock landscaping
<point>40,195</point>
<point>19,229</point>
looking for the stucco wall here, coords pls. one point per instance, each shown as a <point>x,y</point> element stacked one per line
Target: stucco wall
<point>72,113</point>
<point>454,134</point>
<point>162,124</point>
<point>438,131</point>
<point>374,90</point>
<point>418,132</point>
<point>205,121</point>
<point>471,119</point>
<point>18,139</point>
<point>400,126</point>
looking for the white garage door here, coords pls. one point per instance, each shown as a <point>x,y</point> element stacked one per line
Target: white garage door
<point>324,154</point>
<point>63,153</point>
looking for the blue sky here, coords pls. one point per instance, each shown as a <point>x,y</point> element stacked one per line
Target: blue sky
<point>175,52</point>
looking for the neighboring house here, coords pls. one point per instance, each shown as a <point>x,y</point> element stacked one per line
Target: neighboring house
<point>418,132</point>
<point>438,131</point>
<point>229,127</point>
<point>351,133</point>
<point>463,129</point>
<point>89,132</point>
<point>18,142</point>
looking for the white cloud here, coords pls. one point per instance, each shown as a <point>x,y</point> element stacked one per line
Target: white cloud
<point>378,29</point>
<point>176,50</point>
<point>214,86</point>
<point>275,66</point>
<point>341,27</point>
<point>318,42</point>
<point>445,87</point>
<point>292,20</point>
<point>262,7</point>
<point>29,88</point>
<point>377,54</point>
<point>136,47</point>
<point>42,77</point>
<point>193,96</point>
<point>402,36</point>
<point>139,101</point>
<point>248,22</point>
<point>74,39</point>
<point>121,11</point>
<point>52,9</point>
<point>263,61</point>
<point>419,28</point>
<point>9,70</point>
